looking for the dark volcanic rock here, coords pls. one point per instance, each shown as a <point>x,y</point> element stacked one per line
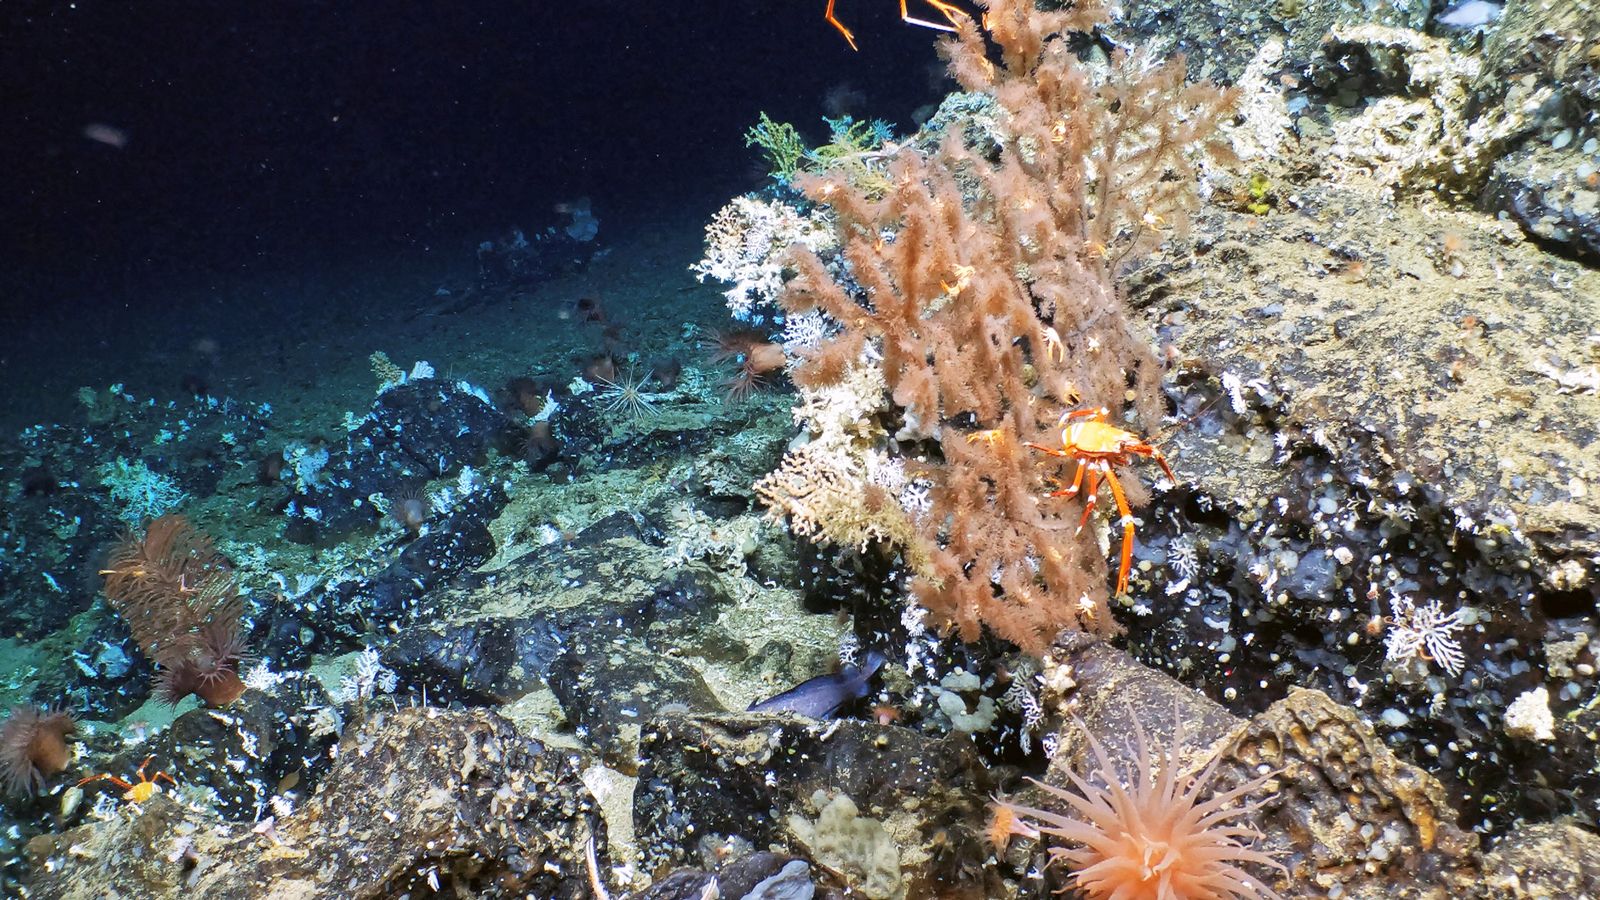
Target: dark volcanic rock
<point>421,802</point>
<point>241,753</point>
<point>67,490</point>
<point>401,592</point>
<point>1540,188</point>
<point>416,431</point>
<point>490,660</point>
<point>504,632</point>
<point>610,688</point>
<point>756,780</point>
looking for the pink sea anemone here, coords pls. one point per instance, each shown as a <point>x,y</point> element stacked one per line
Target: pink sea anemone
<point>1150,836</point>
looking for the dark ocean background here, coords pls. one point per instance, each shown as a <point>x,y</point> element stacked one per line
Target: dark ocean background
<point>292,171</point>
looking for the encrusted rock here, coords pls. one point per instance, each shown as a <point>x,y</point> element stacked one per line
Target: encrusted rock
<point>609,689</point>
<point>1543,862</point>
<point>1340,808</point>
<point>1552,192</point>
<point>420,802</point>
<point>1555,43</point>
<point>754,780</point>
<point>1401,110</point>
<point>1220,38</point>
<point>1343,810</point>
<point>1361,457</point>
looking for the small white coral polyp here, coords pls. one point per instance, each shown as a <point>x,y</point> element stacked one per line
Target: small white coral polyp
<point>1151,836</point>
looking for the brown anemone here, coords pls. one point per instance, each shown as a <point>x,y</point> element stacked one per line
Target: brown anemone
<point>207,667</point>
<point>33,747</point>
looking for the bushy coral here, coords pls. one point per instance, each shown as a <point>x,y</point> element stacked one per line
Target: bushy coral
<point>984,289</point>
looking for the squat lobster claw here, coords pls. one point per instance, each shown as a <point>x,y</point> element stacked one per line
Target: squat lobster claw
<point>1097,445</point>
<point>139,792</point>
<point>949,11</point>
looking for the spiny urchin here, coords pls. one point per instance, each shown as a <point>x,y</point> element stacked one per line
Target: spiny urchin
<point>626,395</point>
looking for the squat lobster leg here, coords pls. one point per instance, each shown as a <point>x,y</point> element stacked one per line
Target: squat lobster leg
<point>1127,527</point>
<point>949,11</point>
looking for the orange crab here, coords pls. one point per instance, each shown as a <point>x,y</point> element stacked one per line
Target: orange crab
<point>949,11</point>
<point>1097,445</point>
<point>135,793</point>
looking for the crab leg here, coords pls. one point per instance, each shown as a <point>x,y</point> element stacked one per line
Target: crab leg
<point>834,21</point>
<point>948,10</point>
<point>1127,530</point>
<point>1096,413</point>
<point>121,785</point>
<point>1077,482</point>
<point>1151,452</point>
<point>1096,469</point>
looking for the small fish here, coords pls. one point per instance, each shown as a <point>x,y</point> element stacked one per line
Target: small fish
<point>821,697</point>
<point>110,135</point>
<point>1471,14</point>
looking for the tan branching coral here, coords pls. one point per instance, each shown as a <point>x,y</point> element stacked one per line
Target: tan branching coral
<point>985,290</point>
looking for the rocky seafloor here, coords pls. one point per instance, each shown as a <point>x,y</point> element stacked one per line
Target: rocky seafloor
<point>1382,370</point>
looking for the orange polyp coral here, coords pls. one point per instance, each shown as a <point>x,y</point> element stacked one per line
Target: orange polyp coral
<point>757,360</point>
<point>1150,835</point>
<point>1004,824</point>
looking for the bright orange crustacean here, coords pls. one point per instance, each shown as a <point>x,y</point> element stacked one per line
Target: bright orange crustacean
<point>949,11</point>
<point>1097,445</point>
<point>139,792</point>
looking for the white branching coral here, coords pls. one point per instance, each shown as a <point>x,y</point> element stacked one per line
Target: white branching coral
<point>845,412</point>
<point>805,331</point>
<point>261,678</point>
<point>745,246</point>
<point>1424,632</point>
<point>817,489</point>
<point>1182,558</point>
<point>837,487</point>
<point>372,677</point>
<point>325,720</point>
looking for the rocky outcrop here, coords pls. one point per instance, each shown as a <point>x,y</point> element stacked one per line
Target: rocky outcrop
<point>420,802</point>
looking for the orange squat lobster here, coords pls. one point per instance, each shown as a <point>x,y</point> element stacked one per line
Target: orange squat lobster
<point>950,12</point>
<point>135,793</point>
<point>1098,445</point>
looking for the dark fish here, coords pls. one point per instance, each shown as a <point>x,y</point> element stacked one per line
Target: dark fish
<point>821,697</point>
